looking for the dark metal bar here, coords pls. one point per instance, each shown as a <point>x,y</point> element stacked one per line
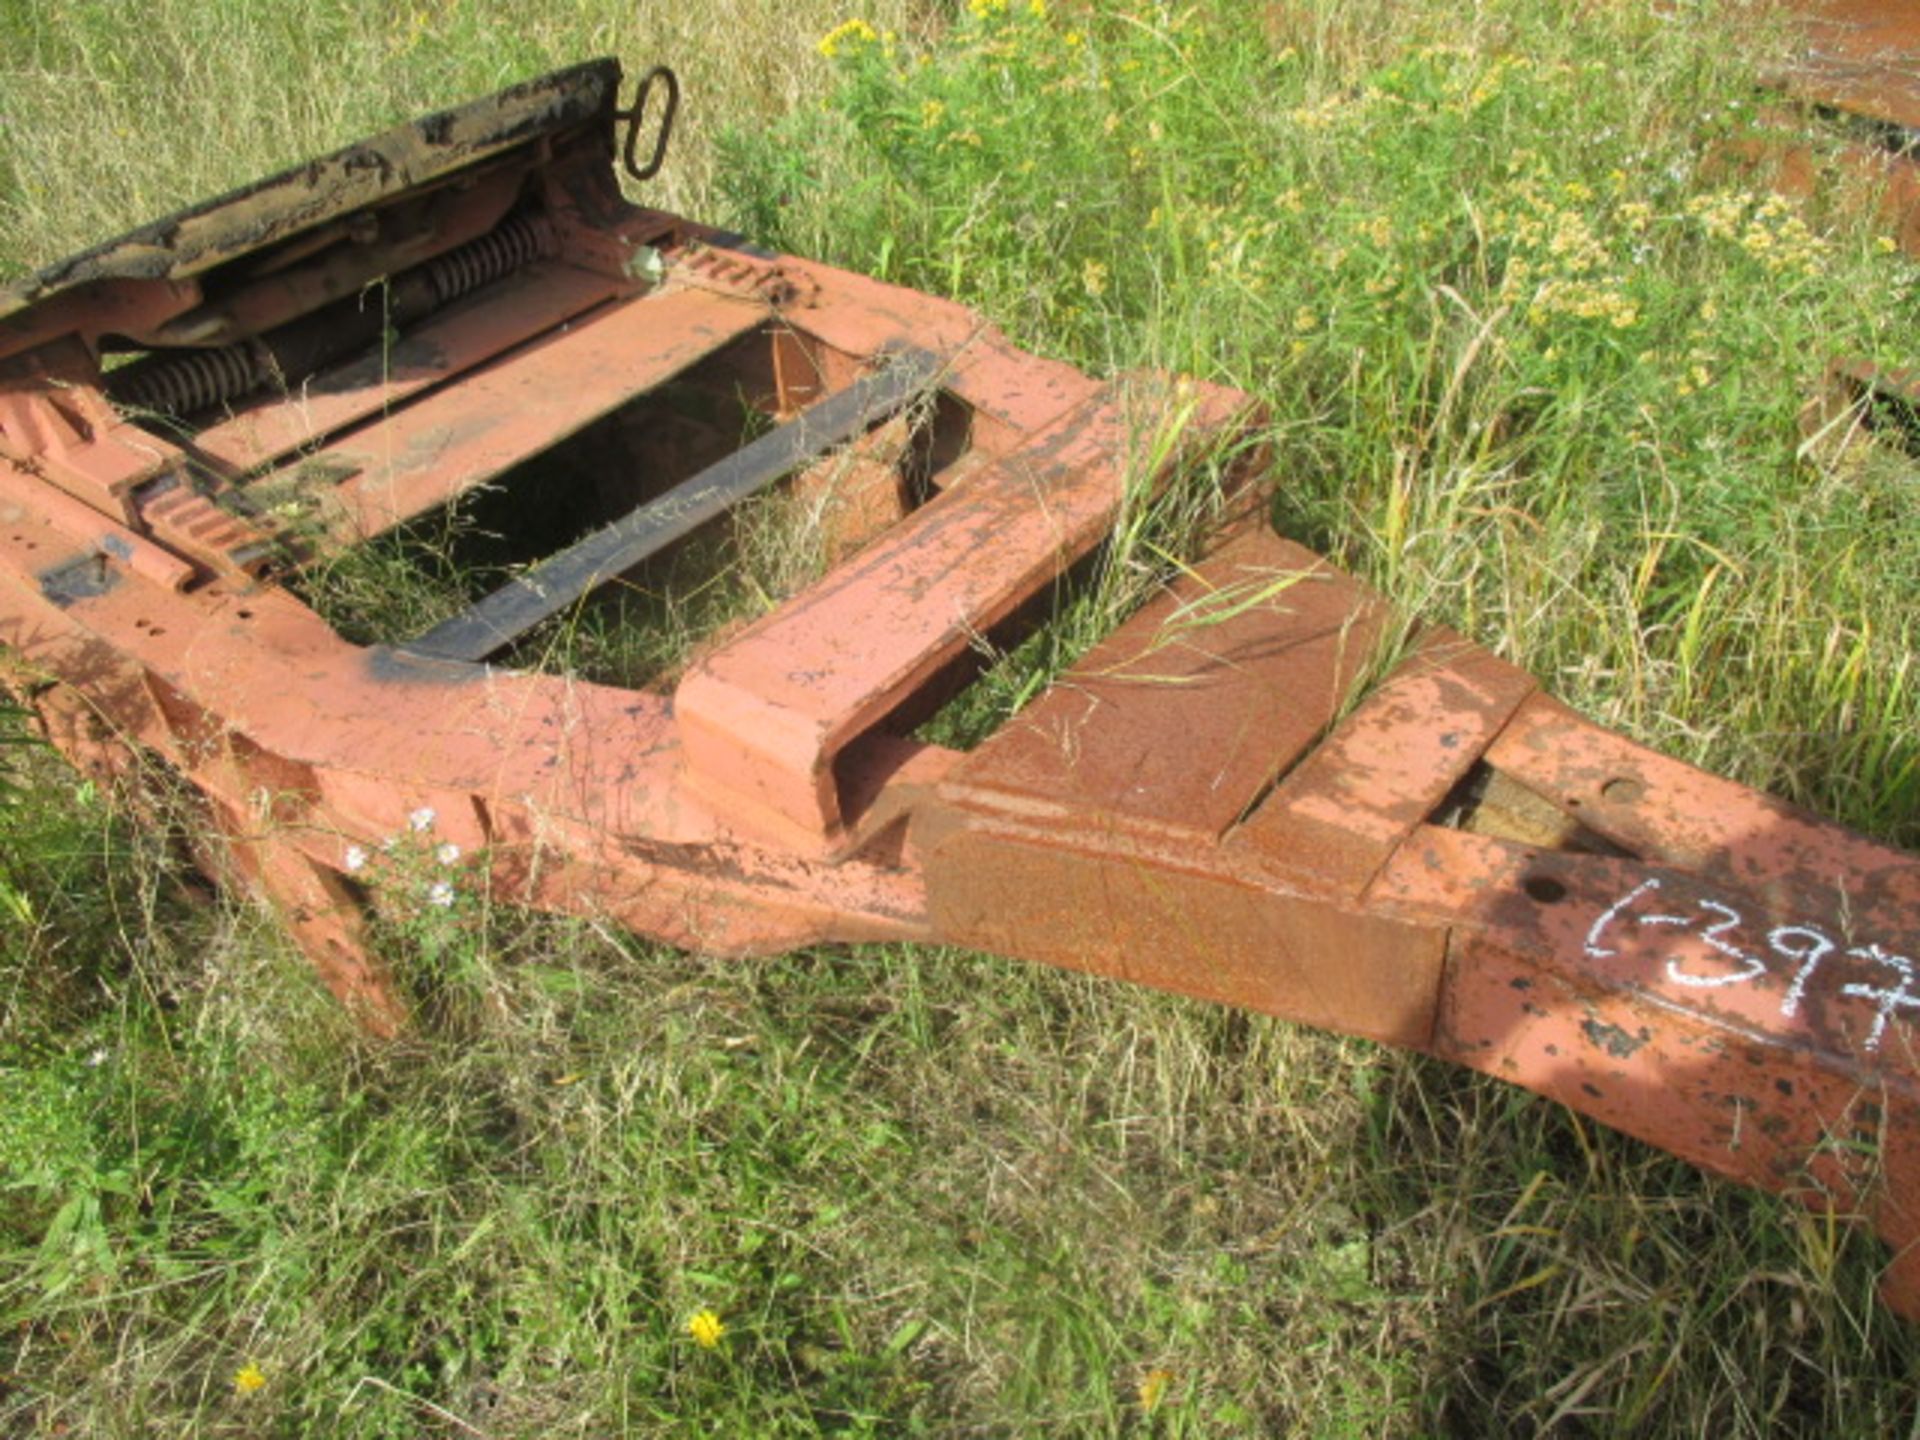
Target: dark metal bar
<point>561,580</point>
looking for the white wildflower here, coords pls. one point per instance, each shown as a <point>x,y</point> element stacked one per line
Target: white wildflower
<point>440,895</point>
<point>447,853</point>
<point>421,819</point>
<point>355,858</point>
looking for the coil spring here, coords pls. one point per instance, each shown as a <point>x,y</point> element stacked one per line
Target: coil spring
<point>183,384</point>
<point>497,253</point>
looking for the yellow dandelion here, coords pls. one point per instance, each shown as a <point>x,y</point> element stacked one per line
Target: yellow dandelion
<point>248,1378</point>
<point>1153,1389</point>
<point>706,1328</point>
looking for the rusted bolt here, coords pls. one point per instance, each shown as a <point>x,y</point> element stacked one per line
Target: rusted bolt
<point>1622,790</point>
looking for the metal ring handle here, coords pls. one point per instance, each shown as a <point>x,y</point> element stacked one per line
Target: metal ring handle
<point>635,115</point>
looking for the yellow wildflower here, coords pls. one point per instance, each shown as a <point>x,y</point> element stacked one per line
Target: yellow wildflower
<point>1321,115</point>
<point>706,1328</point>
<point>1093,277</point>
<point>986,9</point>
<point>1721,213</point>
<point>1305,321</point>
<point>849,35</point>
<point>248,1378</point>
<point>1153,1389</point>
<point>931,111</point>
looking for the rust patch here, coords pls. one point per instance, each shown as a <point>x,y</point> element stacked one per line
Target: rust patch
<point>1613,1039</point>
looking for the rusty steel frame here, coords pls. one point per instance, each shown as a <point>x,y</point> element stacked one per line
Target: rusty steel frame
<point>1857,61</point>
<point>1265,788</point>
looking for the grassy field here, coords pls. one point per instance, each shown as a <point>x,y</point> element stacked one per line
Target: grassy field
<point>1535,351</point>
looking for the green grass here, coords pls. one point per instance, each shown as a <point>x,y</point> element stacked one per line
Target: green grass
<point>1534,364</point>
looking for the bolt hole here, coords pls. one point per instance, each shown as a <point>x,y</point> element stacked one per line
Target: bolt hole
<point>1622,790</point>
<point>244,614</point>
<point>1544,888</point>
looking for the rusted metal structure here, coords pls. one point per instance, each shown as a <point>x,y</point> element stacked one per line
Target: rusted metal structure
<point>1858,57</point>
<point>1857,61</point>
<point>1264,787</point>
